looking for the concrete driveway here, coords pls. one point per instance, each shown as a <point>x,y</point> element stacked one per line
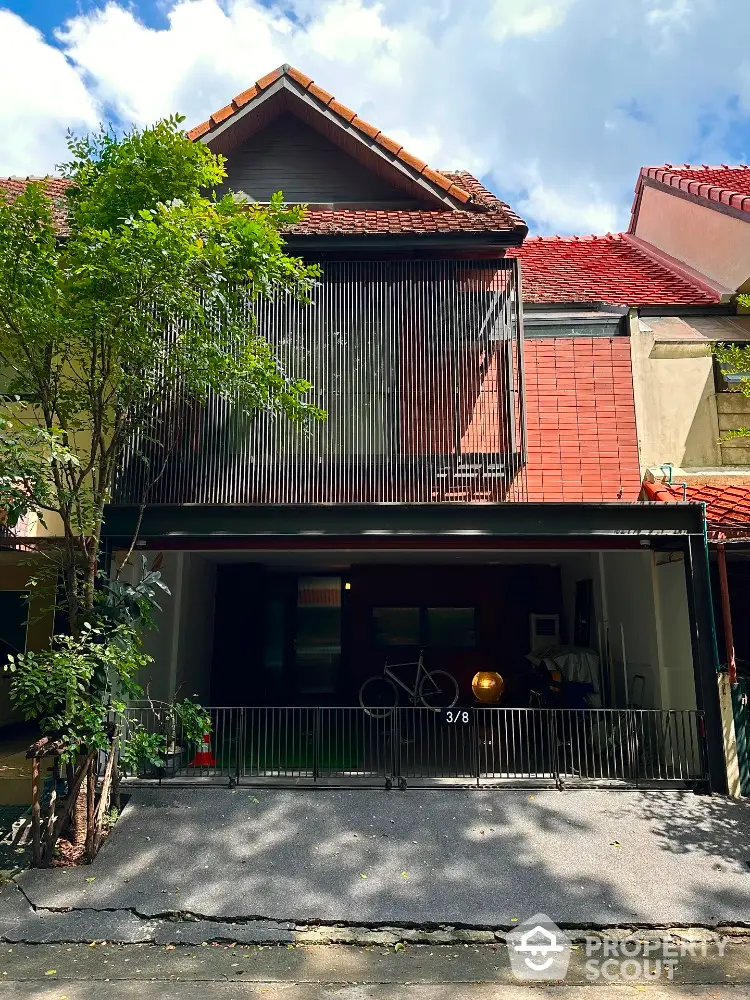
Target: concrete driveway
<point>418,858</point>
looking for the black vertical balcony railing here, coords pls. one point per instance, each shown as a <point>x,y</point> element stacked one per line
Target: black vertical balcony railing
<point>419,368</point>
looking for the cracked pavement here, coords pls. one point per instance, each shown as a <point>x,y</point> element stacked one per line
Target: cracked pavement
<point>255,865</point>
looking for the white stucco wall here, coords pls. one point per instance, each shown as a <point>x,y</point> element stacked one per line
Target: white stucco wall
<point>195,635</point>
<point>673,622</point>
<point>631,612</point>
<point>182,643</point>
<point>161,643</point>
<point>646,593</point>
<point>675,401</point>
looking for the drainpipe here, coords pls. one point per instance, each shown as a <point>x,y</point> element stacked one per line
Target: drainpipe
<point>726,610</point>
<point>710,590</point>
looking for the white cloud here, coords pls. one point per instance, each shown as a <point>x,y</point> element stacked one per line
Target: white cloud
<point>557,102</point>
<point>566,213</point>
<point>524,17</point>
<point>41,95</point>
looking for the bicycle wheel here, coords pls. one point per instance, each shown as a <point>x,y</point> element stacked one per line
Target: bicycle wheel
<point>438,689</point>
<point>378,696</point>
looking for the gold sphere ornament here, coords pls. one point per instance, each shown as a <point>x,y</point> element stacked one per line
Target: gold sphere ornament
<point>487,686</point>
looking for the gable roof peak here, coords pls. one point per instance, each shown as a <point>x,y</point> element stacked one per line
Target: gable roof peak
<point>346,117</point>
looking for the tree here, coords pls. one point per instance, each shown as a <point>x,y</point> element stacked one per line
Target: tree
<point>140,300</point>
<point>146,289</point>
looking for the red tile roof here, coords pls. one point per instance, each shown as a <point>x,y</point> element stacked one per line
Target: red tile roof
<point>488,214</point>
<point>725,185</point>
<point>349,117</point>
<point>479,211</point>
<point>55,187</point>
<point>727,507</point>
<point>609,269</point>
<point>580,420</point>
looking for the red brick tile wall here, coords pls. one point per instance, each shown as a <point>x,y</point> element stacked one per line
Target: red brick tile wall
<point>580,418</point>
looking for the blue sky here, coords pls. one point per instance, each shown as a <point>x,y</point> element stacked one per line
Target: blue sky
<point>50,14</point>
<point>555,103</point>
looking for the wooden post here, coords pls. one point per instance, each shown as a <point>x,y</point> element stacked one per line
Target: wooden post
<point>36,825</point>
<point>726,611</point>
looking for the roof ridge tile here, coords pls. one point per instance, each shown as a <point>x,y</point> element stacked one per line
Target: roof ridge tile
<point>724,183</point>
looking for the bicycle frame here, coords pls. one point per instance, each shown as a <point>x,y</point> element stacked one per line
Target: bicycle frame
<point>421,670</point>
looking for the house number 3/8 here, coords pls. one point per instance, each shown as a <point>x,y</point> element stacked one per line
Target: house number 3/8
<point>455,717</point>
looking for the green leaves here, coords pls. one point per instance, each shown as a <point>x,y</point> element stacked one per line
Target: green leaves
<point>145,308</point>
<point>111,331</point>
<point>68,686</point>
<point>734,359</point>
<point>196,721</point>
<point>142,750</point>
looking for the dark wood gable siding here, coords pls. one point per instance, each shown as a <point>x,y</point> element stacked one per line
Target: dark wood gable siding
<point>292,157</point>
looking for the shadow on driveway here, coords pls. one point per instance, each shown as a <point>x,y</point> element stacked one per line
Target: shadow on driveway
<point>423,857</point>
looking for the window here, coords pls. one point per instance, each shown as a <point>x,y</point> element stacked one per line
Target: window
<point>436,628</point>
<point>10,385</point>
<point>452,627</point>
<point>396,626</point>
<point>729,379</point>
<point>14,616</point>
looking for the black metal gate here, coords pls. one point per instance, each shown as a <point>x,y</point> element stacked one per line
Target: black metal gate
<point>461,746</point>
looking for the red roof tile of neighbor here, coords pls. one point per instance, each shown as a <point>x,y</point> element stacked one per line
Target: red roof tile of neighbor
<point>727,507</point>
<point>609,269</point>
<point>727,185</point>
<point>55,187</point>
<point>349,117</point>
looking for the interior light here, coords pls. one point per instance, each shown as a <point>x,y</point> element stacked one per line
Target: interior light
<point>347,586</point>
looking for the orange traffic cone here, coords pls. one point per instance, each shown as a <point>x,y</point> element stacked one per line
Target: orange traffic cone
<point>204,757</point>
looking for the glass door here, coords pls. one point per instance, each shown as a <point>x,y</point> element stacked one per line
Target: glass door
<point>317,636</point>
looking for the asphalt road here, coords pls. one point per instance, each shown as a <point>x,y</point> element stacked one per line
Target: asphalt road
<point>421,857</point>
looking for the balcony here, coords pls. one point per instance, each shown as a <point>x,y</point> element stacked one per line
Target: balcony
<point>419,368</point>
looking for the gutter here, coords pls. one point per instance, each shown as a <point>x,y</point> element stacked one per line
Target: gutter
<point>473,240</point>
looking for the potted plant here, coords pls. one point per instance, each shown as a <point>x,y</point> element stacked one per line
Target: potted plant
<point>161,748</point>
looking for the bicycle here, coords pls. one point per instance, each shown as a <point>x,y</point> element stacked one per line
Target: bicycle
<point>436,689</point>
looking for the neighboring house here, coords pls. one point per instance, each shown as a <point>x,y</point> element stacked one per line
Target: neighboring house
<point>674,277</point>
<point>473,492</point>
<point>696,220</point>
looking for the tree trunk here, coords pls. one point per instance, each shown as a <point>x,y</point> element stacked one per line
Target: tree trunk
<point>92,556</point>
<point>74,788</point>
<point>36,819</point>
<point>90,817</point>
<point>103,799</point>
<point>78,818</point>
<point>116,804</point>
<point>51,815</point>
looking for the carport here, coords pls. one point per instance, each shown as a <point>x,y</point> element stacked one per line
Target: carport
<point>482,570</point>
